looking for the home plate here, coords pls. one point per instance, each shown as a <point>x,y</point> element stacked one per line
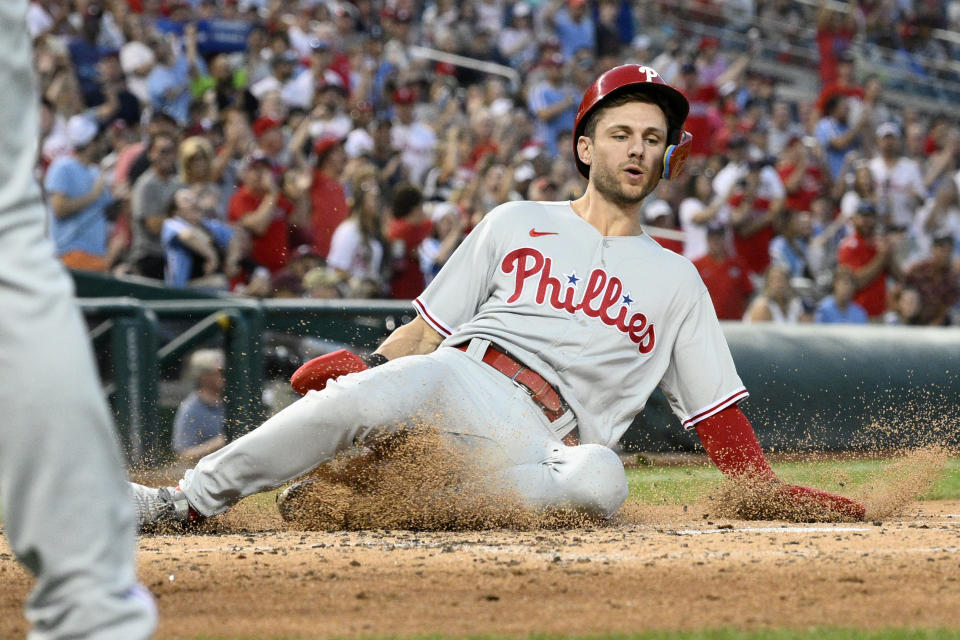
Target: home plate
<point>700,532</point>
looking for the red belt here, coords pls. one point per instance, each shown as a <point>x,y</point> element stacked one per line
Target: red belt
<point>539,389</point>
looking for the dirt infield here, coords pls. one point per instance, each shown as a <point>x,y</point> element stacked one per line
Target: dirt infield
<point>653,569</point>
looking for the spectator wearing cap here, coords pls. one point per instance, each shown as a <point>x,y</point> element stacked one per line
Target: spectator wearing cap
<point>704,118</point>
<point>269,139</point>
<point>357,247</point>
<point>406,230</point>
<point>302,90</point>
<point>198,423</point>
<point>898,178</point>
<point>572,24</point>
<point>415,140</point>
<point>328,202</point>
<point>724,274</point>
<point>839,307</point>
<point>699,209</point>
<point>658,214</point>
<point>282,66</point>
<point>150,202</point>
<point>517,42</point>
<point>711,64</point>
<point>868,257</point>
<point>200,252</point>
<point>259,207</point>
<point>78,198</point>
<point>837,135</point>
<point>137,60</point>
<point>937,279</point>
<point>553,103</point>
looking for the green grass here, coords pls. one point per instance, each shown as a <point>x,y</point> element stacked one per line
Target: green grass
<point>685,484</point>
<point>721,634</point>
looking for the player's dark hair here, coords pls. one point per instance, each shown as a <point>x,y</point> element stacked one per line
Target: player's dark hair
<point>626,97</point>
<point>406,198</point>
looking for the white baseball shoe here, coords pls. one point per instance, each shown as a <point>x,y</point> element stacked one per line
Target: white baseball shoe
<point>165,507</point>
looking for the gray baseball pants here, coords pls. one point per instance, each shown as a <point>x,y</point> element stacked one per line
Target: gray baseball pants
<point>66,511</point>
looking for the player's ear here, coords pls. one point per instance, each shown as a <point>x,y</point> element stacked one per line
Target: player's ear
<point>585,150</point>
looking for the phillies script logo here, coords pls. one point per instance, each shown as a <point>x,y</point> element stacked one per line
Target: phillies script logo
<point>603,297</point>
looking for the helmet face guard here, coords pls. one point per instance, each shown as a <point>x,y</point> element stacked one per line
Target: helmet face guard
<point>634,77</point>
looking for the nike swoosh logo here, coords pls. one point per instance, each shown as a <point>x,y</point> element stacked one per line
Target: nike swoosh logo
<point>536,234</point>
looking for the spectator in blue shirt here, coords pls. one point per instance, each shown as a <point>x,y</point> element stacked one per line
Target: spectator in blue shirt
<point>169,82</point>
<point>790,247</point>
<point>836,135</point>
<point>840,307</point>
<point>79,198</point>
<point>198,251</point>
<point>553,104</point>
<point>198,423</point>
<point>574,26</point>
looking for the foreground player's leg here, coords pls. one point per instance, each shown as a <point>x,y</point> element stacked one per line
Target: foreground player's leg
<point>478,407</point>
<point>65,506</point>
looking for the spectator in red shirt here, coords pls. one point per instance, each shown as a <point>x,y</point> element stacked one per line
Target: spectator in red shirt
<point>835,30</point>
<point>802,176</point>
<point>752,217</point>
<point>328,203</point>
<point>724,275</point>
<point>844,84</point>
<point>406,230</point>
<point>259,207</point>
<point>869,258</point>
<point>704,118</point>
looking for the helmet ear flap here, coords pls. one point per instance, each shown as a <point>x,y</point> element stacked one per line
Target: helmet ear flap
<point>676,154</point>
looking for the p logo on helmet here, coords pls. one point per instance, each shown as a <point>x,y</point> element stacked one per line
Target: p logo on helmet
<point>639,78</point>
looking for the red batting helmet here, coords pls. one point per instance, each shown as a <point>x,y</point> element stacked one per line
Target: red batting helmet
<point>637,77</point>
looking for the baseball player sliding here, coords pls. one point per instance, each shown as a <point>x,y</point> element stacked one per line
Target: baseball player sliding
<point>552,320</point>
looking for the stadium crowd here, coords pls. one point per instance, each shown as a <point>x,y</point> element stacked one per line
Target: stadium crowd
<point>324,149</point>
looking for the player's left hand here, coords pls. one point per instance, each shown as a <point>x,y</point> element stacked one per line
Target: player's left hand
<point>314,375</point>
<point>806,496</point>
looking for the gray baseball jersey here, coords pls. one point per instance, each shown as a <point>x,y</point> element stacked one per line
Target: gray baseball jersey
<point>603,319</point>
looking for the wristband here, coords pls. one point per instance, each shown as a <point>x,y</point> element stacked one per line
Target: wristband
<point>374,359</point>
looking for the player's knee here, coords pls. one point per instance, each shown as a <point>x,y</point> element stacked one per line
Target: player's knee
<point>594,478</point>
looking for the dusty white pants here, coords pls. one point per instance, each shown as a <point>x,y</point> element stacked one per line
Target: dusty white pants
<point>452,390</point>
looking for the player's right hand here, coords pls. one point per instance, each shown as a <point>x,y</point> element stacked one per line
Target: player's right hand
<point>821,499</point>
<point>314,375</point>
